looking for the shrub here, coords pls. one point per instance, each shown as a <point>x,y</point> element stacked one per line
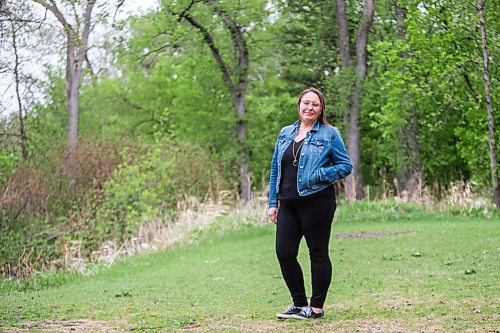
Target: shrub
<point>150,185</point>
<point>39,206</point>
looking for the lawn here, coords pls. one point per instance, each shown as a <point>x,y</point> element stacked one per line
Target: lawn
<point>427,273</point>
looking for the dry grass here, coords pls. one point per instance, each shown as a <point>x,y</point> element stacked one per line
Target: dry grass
<point>155,234</point>
<point>464,197</point>
<point>379,325</point>
<point>64,326</point>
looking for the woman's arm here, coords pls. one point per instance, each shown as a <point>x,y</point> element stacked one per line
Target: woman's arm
<point>273,197</point>
<point>341,165</point>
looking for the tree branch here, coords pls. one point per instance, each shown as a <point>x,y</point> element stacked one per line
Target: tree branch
<point>226,73</point>
<point>86,29</point>
<point>77,19</point>
<point>186,10</point>
<point>57,13</point>
<point>471,88</point>
<point>118,6</point>
<point>92,73</point>
<point>239,43</point>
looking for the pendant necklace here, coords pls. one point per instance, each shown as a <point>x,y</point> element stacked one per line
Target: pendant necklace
<point>295,153</point>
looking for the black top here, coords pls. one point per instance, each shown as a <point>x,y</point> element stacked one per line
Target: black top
<point>288,181</point>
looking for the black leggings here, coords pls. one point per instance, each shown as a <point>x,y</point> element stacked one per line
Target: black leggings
<point>311,218</point>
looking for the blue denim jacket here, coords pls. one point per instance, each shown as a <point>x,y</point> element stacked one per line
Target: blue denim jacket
<point>323,160</point>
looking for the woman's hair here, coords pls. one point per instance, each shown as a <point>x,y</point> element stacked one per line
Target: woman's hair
<point>322,116</point>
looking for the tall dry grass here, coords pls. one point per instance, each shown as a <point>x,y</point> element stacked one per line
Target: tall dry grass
<point>155,234</point>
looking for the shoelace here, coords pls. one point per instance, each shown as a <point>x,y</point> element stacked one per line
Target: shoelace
<point>290,308</point>
<point>307,311</point>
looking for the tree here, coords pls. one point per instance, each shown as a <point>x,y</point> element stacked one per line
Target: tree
<point>489,108</point>
<point>17,24</point>
<point>409,173</point>
<point>22,130</point>
<point>354,182</point>
<point>236,79</point>
<point>77,37</point>
<point>305,38</point>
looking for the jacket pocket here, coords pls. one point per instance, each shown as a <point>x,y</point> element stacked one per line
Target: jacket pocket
<point>318,146</point>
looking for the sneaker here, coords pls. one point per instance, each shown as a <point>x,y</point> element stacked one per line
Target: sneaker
<point>289,312</point>
<point>308,313</point>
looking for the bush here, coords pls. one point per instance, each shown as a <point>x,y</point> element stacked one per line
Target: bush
<point>42,214</point>
<point>39,205</point>
<point>150,185</point>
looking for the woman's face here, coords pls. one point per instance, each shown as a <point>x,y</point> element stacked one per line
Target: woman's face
<point>309,108</point>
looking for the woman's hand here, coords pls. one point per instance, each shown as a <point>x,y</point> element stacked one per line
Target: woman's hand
<point>272,213</point>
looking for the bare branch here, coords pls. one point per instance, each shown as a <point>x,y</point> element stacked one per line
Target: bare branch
<point>92,73</point>
<point>86,28</point>
<point>77,18</point>
<point>120,3</point>
<point>20,20</point>
<point>57,13</point>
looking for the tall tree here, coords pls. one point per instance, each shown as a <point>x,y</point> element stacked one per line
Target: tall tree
<point>17,24</point>
<point>409,174</point>
<point>77,36</point>
<point>489,108</point>
<point>236,79</point>
<point>17,79</point>
<point>354,182</point>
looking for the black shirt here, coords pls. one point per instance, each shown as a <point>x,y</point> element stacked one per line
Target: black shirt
<point>288,181</point>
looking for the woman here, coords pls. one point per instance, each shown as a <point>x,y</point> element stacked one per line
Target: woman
<point>309,156</point>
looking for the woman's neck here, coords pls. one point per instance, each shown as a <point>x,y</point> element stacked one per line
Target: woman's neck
<point>305,126</point>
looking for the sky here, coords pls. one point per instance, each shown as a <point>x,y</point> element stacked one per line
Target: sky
<point>141,6</point>
<point>35,67</point>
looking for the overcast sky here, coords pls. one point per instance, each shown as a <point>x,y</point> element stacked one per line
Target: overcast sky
<point>8,101</point>
<point>135,6</point>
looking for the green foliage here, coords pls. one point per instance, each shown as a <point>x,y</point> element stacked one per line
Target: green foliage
<point>440,80</point>
<point>307,53</point>
<point>148,185</point>
<point>8,164</point>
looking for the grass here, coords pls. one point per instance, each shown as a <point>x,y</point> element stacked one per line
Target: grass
<point>442,276</point>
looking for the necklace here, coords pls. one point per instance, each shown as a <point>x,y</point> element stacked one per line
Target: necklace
<point>295,153</point>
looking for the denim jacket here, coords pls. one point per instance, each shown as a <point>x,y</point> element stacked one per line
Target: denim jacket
<point>323,160</point>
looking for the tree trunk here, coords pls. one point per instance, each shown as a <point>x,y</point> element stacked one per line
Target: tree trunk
<point>489,108</point>
<point>345,53</point>
<point>241,131</point>
<point>76,51</point>
<point>343,39</point>
<point>354,182</point>
<point>22,130</point>
<point>72,88</point>
<point>409,171</point>
<point>237,90</point>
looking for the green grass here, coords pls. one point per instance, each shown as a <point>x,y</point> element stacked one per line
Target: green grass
<point>443,276</point>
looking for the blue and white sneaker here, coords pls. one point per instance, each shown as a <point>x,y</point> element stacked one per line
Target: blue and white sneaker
<point>289,312</point>
<point>308,313</point>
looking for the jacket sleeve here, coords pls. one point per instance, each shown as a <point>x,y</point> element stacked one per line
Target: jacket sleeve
<point>340,166</point>
<point>273,196</point>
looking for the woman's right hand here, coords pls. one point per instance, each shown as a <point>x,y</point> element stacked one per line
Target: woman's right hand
<point>272,214</point>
